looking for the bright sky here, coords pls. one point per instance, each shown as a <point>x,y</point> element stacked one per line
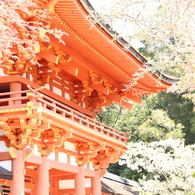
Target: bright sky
<point>97,4</point>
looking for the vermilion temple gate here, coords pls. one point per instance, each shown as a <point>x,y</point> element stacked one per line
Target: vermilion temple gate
<point>49,139</point>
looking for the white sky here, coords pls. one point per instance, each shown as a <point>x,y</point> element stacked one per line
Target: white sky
<point>97,4</point>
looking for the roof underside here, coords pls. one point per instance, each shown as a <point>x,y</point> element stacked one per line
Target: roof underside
<point>95,49</point>
<point>96,46</point>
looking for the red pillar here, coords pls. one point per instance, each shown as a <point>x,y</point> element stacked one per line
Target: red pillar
<point>18,168</point>
<point>96,184</point>
<point>43,177</point>
<point>56,187</point>
<point>15,86</point>
<point>80,182</point>
<point>17,186</point>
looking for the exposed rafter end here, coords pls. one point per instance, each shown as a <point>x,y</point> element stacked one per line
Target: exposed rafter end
<point>51,5</point>
<point>129,94</point>
<point>126,105</point>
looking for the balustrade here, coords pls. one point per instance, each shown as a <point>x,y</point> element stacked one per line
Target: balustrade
<point>7,102</point>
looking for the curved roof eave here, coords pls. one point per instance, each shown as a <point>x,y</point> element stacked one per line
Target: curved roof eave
<point>106,27</point>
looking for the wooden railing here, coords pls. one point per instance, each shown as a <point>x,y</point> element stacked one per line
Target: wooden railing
<point>8,100</point>
<point>29,186</point>
<point>6,189</point>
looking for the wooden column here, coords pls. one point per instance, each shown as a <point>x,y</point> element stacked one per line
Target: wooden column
<point>96,184</point>
<point>56,187</point>
<point>15,86</point>
<point>43,177</point>
<point>17,186</point>
<point>80,182</point>
<point>18,168</point>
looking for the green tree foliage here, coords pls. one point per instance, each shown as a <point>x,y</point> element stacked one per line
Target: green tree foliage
<point>180,110</point>
<point>159,127</point>
<point>124,171</point>
<point>110,115</point>
<point>158,117</point>
<point>164,114</point>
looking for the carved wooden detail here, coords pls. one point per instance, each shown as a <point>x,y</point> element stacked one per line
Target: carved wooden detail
<point>6,140</point>
<point>105,157</point>
<point>86,151</point>
<point>31,127</point>
<point>50,139</point>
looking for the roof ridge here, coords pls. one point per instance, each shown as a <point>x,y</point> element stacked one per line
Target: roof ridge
<point>108,29</point>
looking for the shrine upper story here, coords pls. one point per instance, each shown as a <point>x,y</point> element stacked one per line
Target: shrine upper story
<point>50,89</point>
<point>90,70</point>
<point>70,81</point>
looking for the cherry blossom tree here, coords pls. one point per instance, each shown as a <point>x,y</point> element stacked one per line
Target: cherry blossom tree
<point>164,29</point>
<point>169,162</point>
<point>23,26</point>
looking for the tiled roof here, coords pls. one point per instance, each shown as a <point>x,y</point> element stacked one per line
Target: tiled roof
<point>126,46</point>
<point>115,185</point>
<point>5,174</point>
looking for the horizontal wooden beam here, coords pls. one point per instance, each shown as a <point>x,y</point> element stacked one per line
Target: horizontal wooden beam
<point>72,191</point>
<point>5,156</point>
<point>63,167</point>
<point>48,56</point>
<point>37,160</point>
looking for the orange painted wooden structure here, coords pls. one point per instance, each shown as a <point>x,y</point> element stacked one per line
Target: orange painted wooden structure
<point>51,139</point>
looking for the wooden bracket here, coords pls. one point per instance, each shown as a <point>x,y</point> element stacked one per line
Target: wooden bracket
<point>87,150</point>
